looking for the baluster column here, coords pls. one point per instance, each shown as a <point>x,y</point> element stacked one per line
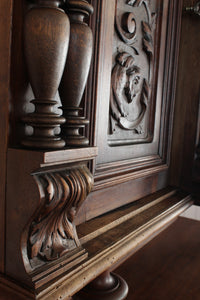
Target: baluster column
<point>76,72</point>
<point>46,39</point>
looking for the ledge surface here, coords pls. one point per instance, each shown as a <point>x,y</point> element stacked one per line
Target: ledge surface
<point>111,239</point>
<point>51,158</point>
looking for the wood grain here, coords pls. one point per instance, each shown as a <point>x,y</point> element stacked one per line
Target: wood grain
<point>187,102</point>
<point>124,173</point>
<point>105,250</point>
<point>36,202</point>
<point>5,54</point>
<point>168,267</point>
<point>46,30</point>
<point>76,72</point>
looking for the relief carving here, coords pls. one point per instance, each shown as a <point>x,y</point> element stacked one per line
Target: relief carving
<point>52,232</point>
<point>127,32</point>
<point>132,73</point>
<point>125,81</point>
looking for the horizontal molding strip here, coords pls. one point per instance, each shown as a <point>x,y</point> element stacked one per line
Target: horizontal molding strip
<point>107,249</point>
<point>107,246</point>
<point>111,181</point>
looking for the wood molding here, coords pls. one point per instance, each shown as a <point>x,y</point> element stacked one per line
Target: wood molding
<point>107,248</point>
<point>122,178</point>
<point>6,7</point>
<point>14,288</point>
<point>93,228</point>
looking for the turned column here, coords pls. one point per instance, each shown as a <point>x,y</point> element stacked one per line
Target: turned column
<point>76,72</point>
<point>46,39</point>
<point>108,286</point>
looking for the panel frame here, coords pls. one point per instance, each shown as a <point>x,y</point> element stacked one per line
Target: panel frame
<point>149,172</point>
<point>165,91</point>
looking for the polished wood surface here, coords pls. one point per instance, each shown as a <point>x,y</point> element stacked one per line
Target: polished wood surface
<point>76,72</point>
<point>130,163</point>
<point>5,54</point>
<point>52,200</point>
<point>187,102</point>
<point>131,90</point>
<point>46,30</point>
<point>123,234</point>
<point>168,267</point>
<point>107,286</point>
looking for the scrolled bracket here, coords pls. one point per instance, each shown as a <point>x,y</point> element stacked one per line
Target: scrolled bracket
<point>52,232</point>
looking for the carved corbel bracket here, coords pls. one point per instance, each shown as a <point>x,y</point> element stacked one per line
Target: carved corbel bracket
<point>51,233</point>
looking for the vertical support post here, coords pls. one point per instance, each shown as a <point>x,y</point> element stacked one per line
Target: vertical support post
<point>76,72</point>
<point>46,35</point>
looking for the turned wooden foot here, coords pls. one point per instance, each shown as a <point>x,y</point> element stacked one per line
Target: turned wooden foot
<point>108,286</point>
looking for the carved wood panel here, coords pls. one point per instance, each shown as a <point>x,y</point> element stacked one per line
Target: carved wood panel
<point>131,91</point>
<point>132,72</point>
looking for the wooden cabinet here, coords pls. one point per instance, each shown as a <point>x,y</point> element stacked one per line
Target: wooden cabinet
<point>93,165</point>
<point>133,100</point>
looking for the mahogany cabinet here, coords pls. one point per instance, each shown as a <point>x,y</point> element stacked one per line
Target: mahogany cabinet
<point>99,133</point>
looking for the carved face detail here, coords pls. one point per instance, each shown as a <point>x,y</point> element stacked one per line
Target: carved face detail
<point>128,76</point>
<point>132,85</point>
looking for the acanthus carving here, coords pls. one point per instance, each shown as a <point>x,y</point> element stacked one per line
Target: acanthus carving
<point>130,85</point>
<point>52,232</point>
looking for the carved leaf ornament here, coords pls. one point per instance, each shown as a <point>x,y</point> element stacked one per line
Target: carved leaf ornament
<point>52,232</point>
<point>126,79</point>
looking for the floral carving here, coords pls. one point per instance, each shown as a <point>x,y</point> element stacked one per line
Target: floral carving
<point>52,232</point>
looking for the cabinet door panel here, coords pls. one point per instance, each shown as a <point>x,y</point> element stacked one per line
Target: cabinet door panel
<point>133,94</point>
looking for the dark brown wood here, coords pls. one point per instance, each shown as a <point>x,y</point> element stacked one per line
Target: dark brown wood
<point>108,286</point>
<point>5,55</point>
<point>76,72</point>
<point>52,251</point>
<point>168,267</point>
<point>195,9</point>
<point>120,167</point>
<point>105,248</point>
<point>51,233</point>
<point>134,188</point>
<point>196,166</point>
<point>187,102</point>
<point>47,32</point>
<point>43,230</point>
<point>131,79</point>
<point>108,221</point>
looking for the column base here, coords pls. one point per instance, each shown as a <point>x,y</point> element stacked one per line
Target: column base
<point>108,286</point>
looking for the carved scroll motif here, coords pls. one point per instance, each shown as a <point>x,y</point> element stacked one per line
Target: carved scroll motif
<point>52,232</point>
<point>130,87</point>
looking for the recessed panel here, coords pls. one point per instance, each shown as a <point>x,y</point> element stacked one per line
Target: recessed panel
<point>132,74</point>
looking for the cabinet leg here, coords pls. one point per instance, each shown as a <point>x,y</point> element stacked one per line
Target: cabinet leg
<point>108,286</point>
